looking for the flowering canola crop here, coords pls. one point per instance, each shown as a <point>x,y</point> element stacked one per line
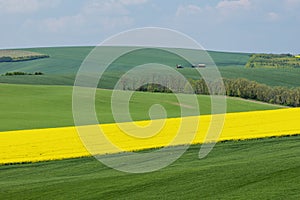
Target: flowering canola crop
<point>60,143</point>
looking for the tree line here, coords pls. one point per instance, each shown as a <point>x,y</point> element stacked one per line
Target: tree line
<point>21,58</point>
<point>247,89</point>
<point>240,87</point>
<point>273,61</point>
<point>21,73</point>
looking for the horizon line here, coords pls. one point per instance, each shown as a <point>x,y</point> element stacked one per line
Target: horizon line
<point>89,45</point>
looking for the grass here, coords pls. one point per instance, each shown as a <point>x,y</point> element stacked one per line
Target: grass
<point>61,67</point>
<point>28,107</point>
<point>272,77</point>
<point>264,169</point>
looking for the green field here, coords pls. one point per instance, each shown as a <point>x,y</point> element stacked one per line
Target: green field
<point>62,60</point>
<point>28,106</point>
<point>253,169</point>
<point>67,60</point>
<point>61,67</point>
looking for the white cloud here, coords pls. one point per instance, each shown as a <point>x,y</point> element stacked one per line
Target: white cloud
<point>188,10</point>
<point>232,9</point>
<point>272,16</point>
<point>100,15</point>
<point>78,24</point>
<point>111,7</point>
<point>109,23</point>
<point>25,6</point>
<point>223,10</point>
<point>59,24</point>
<point>105,8</point>
<point>233,5</point>
<point>292,4</point>
<point>132,2</point>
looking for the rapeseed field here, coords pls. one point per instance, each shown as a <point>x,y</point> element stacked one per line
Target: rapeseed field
<point>60,143</point>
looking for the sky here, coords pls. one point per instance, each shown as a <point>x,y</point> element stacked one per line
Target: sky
<point>270,26</point>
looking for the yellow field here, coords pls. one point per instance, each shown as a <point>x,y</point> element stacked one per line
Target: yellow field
<point>60,143</point>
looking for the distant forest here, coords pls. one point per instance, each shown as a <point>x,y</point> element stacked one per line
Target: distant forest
<point>273,61</point>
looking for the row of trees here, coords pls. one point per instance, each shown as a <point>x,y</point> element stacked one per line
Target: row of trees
<point>21,73</point>
<point>250,90</point>
<point>273,61</point>
<point>242,88</point>
<point>22,58</point>
<point>154,82</point>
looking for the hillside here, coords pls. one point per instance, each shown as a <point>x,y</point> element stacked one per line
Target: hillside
<point>28,106</point>
<point>60,68</point>
<point>67,60</point>
<point>260,168</point>
<point>264,169</point>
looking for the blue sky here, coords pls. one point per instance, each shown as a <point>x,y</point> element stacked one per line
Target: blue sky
<point>227,25</point>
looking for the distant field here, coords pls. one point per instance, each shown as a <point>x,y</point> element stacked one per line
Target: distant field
<point>254,169</point>
<point>67,60</point>
<point>272,77</point>
<point>28,106</point>
<point>19,55</point>
<point>279,77</point>
<point>61,67</point>
<point>273,61</point>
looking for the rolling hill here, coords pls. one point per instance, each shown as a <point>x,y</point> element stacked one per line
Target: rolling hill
<point>60,68</point>
<point>260,168</point>
<point>29,106</point>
